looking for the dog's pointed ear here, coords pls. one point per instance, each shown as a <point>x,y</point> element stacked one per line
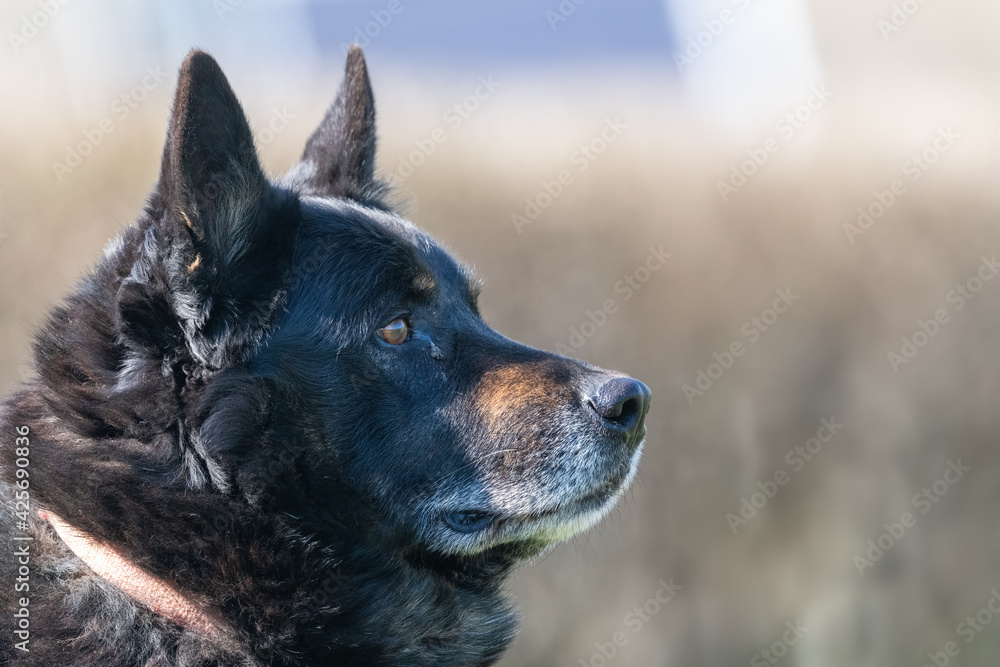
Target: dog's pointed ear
<point>339,158</point>
<point>222,234</point>
<point>210,176</point>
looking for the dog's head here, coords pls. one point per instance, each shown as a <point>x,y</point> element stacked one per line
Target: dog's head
<point>331,355</point>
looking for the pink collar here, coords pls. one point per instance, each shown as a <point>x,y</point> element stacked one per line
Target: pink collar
<point>135,582</point>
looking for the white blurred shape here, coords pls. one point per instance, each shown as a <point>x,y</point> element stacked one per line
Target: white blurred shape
<point>748,62</point>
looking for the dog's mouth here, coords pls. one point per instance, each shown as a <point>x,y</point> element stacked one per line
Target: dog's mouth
<point>475,529</point>
<point>470,522</point>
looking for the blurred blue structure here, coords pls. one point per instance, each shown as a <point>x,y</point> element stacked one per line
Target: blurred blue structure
<point>514,32</point>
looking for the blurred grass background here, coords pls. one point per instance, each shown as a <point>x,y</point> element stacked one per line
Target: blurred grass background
<point>655,185</point>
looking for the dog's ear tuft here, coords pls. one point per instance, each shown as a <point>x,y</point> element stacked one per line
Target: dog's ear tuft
<point>339,158</point>
<point>223,233</point>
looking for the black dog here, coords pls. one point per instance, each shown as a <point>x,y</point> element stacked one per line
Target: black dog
<point>271,427</point>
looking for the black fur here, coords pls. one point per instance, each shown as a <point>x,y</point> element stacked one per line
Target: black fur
<point>214,403</point>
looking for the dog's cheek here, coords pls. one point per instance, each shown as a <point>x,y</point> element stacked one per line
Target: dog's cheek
<point>361,382</point>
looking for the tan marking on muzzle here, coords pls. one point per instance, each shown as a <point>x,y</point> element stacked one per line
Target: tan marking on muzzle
<point>504,394</point>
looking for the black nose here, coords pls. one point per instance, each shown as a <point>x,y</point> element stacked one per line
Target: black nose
<point>622,404</point>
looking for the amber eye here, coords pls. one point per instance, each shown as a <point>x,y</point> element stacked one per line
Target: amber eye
<point>396,332</point>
